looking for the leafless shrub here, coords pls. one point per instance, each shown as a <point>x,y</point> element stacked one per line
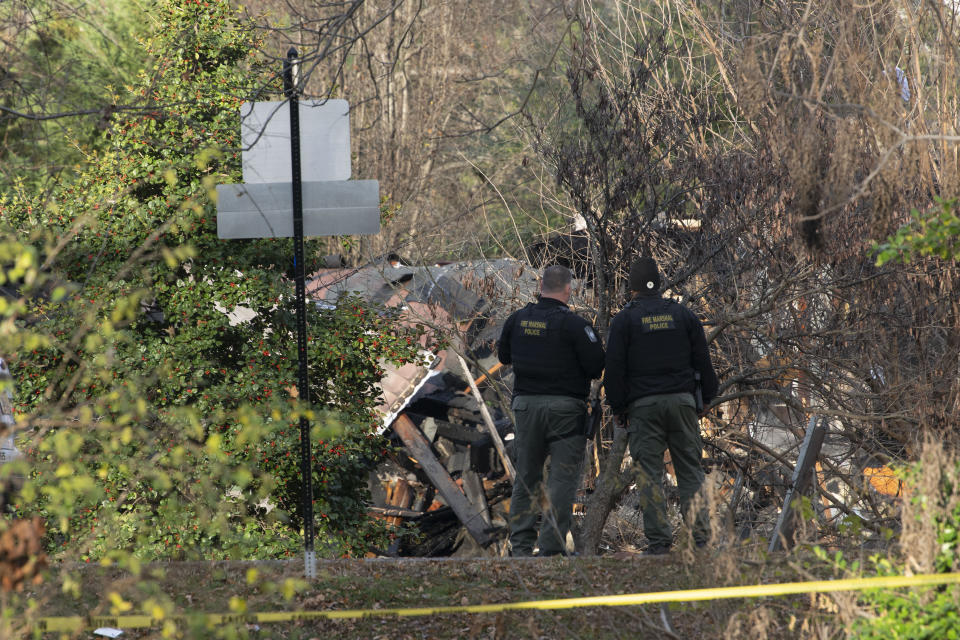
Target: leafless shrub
<point>756,625</point>
<point>934,499</point>
<point>756,152</point>
<point>431,88</point>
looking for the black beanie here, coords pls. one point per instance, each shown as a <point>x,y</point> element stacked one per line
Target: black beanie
<point>644,276</point>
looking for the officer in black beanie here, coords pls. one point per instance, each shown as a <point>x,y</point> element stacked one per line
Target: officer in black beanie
<point>654,349</point>
<point>555,353</point>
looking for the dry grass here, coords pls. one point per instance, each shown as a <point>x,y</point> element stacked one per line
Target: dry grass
<point>378,584</point>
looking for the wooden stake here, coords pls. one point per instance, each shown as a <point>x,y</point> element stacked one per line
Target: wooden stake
<point>497,441</point>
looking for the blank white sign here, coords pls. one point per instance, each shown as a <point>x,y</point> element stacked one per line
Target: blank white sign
<point>331,208</point>
<point>324,141</point>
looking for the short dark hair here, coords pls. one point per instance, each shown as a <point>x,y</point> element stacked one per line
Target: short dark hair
<point>555,279</point>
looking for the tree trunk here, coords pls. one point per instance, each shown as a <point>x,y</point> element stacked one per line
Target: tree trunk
<point>610,487</point>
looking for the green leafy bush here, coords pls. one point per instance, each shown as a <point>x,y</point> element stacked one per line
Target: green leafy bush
<point>936,233</point>
<point>158,423</point>
<point>914,614</point>
<point>929,543</point>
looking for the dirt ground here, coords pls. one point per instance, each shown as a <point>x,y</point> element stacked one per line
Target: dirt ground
<point>224,587</point>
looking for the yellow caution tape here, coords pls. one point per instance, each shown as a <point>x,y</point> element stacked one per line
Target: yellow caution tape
<point>78,623</point>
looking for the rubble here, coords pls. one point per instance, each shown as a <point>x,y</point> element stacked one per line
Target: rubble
<point>446,472</point>
<point>446,475</point>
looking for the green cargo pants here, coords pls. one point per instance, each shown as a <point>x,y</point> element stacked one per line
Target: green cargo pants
<point>657,423</point>
<point>545,426</point>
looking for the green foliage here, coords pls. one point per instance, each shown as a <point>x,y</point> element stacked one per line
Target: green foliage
<point>936,233</point>
<point>919,613</point>
<point>161,419</point>
<point>914,614</point>
<point>61,59</point>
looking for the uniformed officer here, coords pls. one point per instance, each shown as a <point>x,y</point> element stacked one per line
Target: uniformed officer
<point>555,353</point>
<point>654,349</point>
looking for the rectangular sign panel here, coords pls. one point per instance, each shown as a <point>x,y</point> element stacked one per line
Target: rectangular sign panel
<point>324,141</point>
<point>341,208</point>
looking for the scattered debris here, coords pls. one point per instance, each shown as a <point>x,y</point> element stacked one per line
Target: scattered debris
<point>453,474</point>
<point>447,475</point>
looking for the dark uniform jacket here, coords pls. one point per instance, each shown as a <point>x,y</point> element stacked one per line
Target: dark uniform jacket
<point>654,346</point>
<point>553,350</point>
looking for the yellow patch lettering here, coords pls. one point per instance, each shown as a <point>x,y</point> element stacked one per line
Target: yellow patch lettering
<point>660,322</point>
<point>533,324</point>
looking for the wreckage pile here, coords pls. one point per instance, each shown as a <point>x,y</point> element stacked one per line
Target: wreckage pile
<point>449,477</point>
<point>447,473</point>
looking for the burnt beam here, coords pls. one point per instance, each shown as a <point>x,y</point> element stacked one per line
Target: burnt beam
<point>419,449</point>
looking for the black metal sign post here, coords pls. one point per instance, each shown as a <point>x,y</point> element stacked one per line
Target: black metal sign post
<point>291,89</point>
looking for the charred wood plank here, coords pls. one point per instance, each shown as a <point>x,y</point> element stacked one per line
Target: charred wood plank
<point>458,462</point>
<point>429,428</point>
<point>439,531</point>
<point>473,487</point>
<point>420,450</point>
<point>399,495</point>
<point>460,433</point>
